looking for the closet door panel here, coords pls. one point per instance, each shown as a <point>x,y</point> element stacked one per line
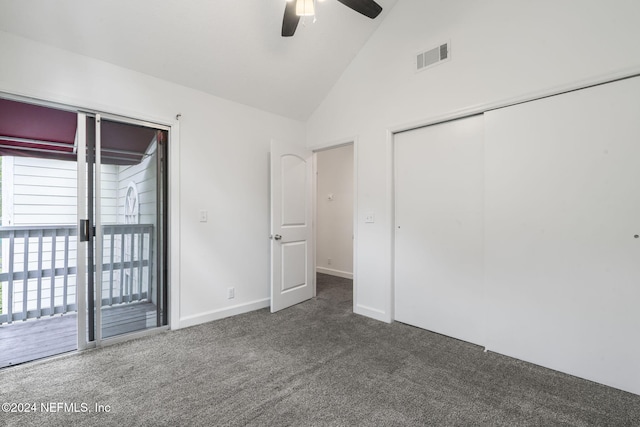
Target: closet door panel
<point>562,212</point>
<point>438,230</point>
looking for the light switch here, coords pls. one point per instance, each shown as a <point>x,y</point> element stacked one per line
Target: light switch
<point>369,217</point>
<point>204,216</point>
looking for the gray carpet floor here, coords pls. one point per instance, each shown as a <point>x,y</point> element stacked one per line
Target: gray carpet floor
<point>314,364</point>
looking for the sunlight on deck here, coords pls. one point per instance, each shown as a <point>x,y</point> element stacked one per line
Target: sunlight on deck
<point>24,341</point>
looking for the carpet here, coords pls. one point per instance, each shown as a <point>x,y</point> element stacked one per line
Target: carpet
<point>314,364</point>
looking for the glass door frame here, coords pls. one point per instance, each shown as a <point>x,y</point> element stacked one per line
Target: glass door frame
<point>89,280</point>
<point>82,246</point>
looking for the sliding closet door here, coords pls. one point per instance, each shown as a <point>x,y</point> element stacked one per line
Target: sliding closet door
<point>438,230</point>
<point>562,226</point>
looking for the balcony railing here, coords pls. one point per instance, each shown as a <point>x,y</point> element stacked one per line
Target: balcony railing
<point>39,271</point>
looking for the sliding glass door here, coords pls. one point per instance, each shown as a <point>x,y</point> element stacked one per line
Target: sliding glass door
<point>83,236</point>
<point>39,295</point>
<point>124,228</point>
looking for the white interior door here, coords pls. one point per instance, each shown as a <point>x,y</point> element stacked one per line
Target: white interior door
<point>439,228</point>
<point>292,264</point>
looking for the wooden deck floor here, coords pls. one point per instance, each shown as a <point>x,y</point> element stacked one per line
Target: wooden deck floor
<point>35,339</point>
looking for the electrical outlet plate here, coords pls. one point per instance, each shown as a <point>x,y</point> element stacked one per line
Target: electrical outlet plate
<point>369,217</point>
<point>231,293</point>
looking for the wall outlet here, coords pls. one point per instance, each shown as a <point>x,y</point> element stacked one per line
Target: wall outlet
<point>329,261</point>
<point>204,216</point>
<point>231,293</point>
<point>369,217</point>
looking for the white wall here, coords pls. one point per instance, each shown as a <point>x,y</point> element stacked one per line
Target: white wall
<point>334,239</point>
<point>220,164</point>
<point>500,49</point>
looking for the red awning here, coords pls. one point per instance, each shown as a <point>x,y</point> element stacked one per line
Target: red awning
<point>37,131</point>
<point>123,143</point>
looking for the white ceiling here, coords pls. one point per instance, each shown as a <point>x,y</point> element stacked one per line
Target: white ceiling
<point>229,48</point>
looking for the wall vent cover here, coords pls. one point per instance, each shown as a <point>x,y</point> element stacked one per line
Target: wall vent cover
<point>434,56</point>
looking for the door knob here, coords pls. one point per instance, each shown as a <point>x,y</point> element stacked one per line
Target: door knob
<point>277,237</point>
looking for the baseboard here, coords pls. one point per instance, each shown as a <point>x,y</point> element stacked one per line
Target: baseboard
<point>372,313</point>
<point>332,272</point>
<point>221,313</point>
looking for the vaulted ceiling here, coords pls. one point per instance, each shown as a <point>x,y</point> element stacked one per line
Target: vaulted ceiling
<point>228,48</point>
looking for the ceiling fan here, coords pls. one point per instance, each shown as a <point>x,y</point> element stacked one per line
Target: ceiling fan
<point>297,8</point>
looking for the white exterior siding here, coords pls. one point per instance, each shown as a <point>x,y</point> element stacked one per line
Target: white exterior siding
<point>145,178</point>
<point>44,192</point>
<point>37,192</point>
<point>109,194</point>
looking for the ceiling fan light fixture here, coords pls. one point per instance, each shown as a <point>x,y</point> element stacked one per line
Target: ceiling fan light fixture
<point>293,12</point>
<point>305,8</point>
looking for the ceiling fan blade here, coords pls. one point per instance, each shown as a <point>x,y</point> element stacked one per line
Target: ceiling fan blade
<point>290,20</point>
<point>368,8</point>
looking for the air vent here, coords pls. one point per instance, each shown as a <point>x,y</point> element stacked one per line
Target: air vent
<point>434,56</point>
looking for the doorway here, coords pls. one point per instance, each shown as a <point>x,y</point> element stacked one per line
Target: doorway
<point>335,194</point>
<point>60,167</point>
